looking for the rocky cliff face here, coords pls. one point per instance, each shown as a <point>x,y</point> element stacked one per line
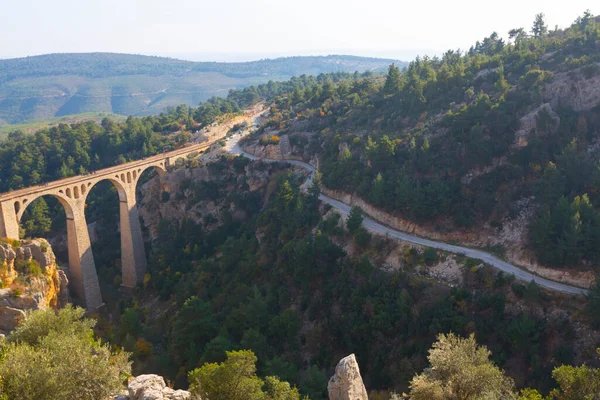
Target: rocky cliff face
<point>512,237</point>
<point>205,194</point>
<point>30,280</point>
<point>574,89</point>
<point>152,387</point>
<point>529,123</point>
<point>290,147</point>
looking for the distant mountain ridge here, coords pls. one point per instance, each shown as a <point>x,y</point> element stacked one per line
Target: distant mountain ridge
<point>55,85</point>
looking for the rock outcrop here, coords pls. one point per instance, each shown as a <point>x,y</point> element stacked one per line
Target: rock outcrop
<point>188,192</point>
<point>574,89</point>
<point>529,124</point>
<point>41,283</point>
<point>346,383</point>
<point>153,387</point>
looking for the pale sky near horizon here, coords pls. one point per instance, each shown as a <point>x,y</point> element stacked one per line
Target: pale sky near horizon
<point>236,30</point>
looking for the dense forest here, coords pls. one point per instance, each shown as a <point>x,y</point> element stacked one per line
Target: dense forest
<point>293,290</point>
<point>438,140</point>
<point>274,282</point>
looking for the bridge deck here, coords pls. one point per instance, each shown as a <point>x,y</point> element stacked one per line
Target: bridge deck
<point>102,172</point>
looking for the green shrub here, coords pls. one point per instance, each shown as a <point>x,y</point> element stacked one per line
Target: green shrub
<point>518,289</point>
<point>362,237</point>
<point>472,262</point>
<point>53,355</point>
<point>235,379</point>
<point>28,267</point>
<point>430,256</point>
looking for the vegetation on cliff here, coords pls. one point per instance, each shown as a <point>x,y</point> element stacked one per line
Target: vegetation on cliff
<point>269,269</point>
<point>54,355</point>
<point>273,276</point>
<point>460,369</point>
<point>457,140</point>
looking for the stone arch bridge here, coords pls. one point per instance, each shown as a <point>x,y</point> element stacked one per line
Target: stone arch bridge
<point>72,193</point>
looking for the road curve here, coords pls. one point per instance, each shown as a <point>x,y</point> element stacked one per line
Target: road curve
<point>374,226</point>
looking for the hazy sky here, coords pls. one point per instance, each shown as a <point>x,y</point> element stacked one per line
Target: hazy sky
<point>249,29</point>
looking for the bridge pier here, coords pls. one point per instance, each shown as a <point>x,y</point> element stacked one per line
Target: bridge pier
<point>133,255</point>
<point>9,228</point>
<point>82,267</point>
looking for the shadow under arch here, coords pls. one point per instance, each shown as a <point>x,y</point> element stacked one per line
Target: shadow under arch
<point>160,169</point>
<point>22,205</point>
<point>121,191</point>
<point>102,209</point>
<point>82,271</point>
<point>46,217</point>
<point>145,174</point>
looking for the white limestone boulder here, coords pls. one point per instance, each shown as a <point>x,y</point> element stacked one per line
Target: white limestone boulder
<point>346,383</point>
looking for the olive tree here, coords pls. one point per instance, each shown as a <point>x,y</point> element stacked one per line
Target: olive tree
<point>53,355</point>
<point>460,370</point>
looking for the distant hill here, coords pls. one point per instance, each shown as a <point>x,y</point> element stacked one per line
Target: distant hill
<point>56,85</point>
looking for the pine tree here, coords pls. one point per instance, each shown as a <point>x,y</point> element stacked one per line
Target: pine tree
<point>355,219</point>
<point>377,189</point>
<point>393,81</point>
<point>502,85</point>
<point>539,27</point>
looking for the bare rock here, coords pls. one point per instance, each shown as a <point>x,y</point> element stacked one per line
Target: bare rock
<point>23,253</point>
<point>144,385</point>
<point>34,301</point>
<point>573,89</point>
<point>41,251</point>
<point>7,259</point>
<point>346,383</point>
<point>170,394</point>
<point>529,123</point>
<point>33,291</point>
<point>10,318</point>
<point>153,387</point>
<point>63,293</point>
<point>485,72</point>
<point>7,254</point>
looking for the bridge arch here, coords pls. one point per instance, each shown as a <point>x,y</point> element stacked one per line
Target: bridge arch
<point>82,271</point>
<point>121,189</point>
<point>23,203</point>
<point>137,174</point>
<point>160,168</point>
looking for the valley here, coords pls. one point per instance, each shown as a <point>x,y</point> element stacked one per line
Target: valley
<point>59,85</point>
<point>436,224</point>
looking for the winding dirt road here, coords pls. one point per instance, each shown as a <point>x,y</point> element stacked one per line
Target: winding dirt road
<point>233,147</point>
